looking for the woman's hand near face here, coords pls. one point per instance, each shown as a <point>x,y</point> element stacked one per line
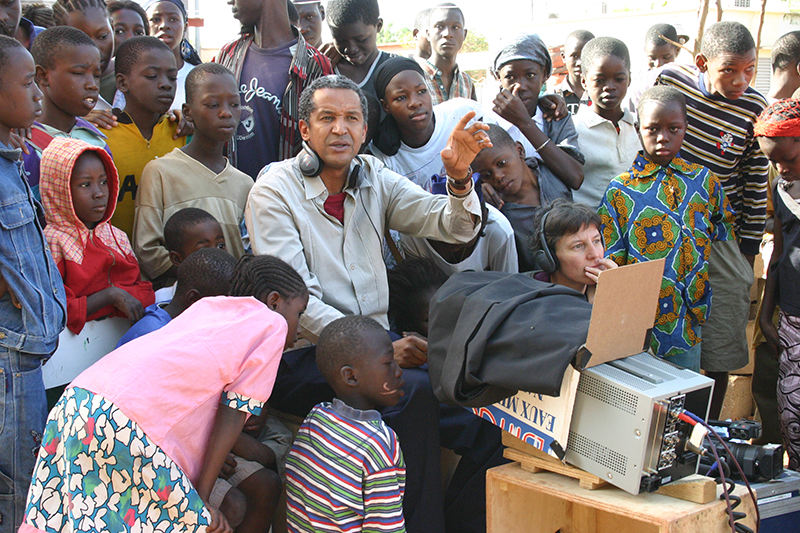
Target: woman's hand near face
<point>605,264</point>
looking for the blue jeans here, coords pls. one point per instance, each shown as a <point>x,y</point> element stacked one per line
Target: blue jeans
<point>23,414</point>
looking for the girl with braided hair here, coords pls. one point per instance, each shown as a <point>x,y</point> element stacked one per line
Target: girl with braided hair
<point>137,441</point>
<point>778,134</point>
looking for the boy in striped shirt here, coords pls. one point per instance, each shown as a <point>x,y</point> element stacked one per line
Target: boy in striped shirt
<point>345,471</point>
<point>722,110</point>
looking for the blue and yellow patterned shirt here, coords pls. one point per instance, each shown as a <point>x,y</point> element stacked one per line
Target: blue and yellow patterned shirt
<point>673,212</point>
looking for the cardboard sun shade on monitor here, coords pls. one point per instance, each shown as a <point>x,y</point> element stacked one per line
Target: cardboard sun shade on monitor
<point>624,309</point>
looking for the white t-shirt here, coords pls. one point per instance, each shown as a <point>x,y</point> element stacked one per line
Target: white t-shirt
<point>495,251</point>
<point>419,164</point>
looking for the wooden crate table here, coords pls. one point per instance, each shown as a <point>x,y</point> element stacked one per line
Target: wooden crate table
<point>524,502</point>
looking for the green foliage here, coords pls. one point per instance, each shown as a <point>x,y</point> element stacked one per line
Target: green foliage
<point>475,42</point>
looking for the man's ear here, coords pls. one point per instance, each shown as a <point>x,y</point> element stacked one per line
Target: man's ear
<point>41,76</point>
<point>701,62</point>
<point>175,257</point>
<point>583,81</point>
<point>415,32</point>
<point>187,113</point>
<point>796,68</point>
<point>495,74</point>
<point>321,12</point>
<point>302,125</point>
<point>379,26</point>
<point>122,83</point>
<point>349,375</point>
<point>192,295</point>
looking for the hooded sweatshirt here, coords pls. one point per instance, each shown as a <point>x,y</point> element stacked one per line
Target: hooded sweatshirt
<point>89,260</point>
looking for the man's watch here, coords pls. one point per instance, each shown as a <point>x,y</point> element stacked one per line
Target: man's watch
<point>463,181</point>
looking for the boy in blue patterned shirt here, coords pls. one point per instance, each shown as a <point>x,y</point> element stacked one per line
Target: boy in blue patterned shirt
<point>666,207</point>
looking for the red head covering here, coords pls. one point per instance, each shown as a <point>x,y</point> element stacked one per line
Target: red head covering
<point>781,119</point>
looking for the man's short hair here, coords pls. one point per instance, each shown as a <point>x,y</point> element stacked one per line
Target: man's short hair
<point>583,36</point>
<point>202,71</point>
<point>343,12</point>
<point>563,218</point>
<point>421,20</point>
<point>52,42</point>
<point>727,37</point>
<point>601,47</point>
<point>132,50</point>
<point>446,6</point>
<point>664,94</point>
<point>176,226</point>
<point>342,342</point>
<point>500,137</point>
<point>655,35</point>
<point>208,271</point>
<point>307,104</point>
<point>786,51</point>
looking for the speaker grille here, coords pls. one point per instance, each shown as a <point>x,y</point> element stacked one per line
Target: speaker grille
<point>593,387</point>
<point>598,453</point>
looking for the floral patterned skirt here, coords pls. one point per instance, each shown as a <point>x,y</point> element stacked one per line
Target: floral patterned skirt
<point>98,471</point>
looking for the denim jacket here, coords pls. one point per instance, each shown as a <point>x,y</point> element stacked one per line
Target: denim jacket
<point>27,267</point>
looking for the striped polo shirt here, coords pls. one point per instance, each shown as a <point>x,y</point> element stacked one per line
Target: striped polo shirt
<point>345,472</point>
<point>720,137</point>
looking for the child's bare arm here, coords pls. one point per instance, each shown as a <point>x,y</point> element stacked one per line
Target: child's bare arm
<point>117,297</point>
<point>252,449</point>
<point>509,106</point>
<point>770,292</point>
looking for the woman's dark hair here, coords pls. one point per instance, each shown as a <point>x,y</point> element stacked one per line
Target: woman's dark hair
<point>409,280</point>
<point>119,5</point>
<point>563,218</point>
<point>259,275</point>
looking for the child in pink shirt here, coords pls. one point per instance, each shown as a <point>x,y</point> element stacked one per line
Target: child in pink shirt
<point>137,440</point>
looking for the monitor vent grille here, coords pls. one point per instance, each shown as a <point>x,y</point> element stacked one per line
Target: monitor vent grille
<point>598,453</point>
<point>615,397</point>
<point>622,377</point>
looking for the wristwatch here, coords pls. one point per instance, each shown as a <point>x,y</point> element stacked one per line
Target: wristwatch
<point>463,181</point>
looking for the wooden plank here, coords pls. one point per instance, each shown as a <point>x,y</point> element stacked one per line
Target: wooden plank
<point>535,464</point>
<point>695,488</point>
<point>546,502</point>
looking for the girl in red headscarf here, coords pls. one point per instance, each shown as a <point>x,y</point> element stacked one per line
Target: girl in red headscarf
<point>778,134</point>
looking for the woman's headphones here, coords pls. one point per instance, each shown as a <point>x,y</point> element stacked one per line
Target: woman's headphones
<point>311,165</point>
<point>545,258</point>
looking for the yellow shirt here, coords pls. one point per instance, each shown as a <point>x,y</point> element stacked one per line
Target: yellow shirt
<point>131,153</point>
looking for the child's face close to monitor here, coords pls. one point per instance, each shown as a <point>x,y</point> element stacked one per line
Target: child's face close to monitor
<point>127,23</point>
<point>20,98</point>
<point>662,127</point>
<point>379,377</point>
<point>607,81</point>
<point>523,78</point>
<point>728,75</point>
<point>94,22</point>
<point>89,187</point>
<point>73,84</point>
<point>150,84</point>
<point>784,153</point>
<point>215,108</point>
<point>357,42</point>
<point>205,234</point>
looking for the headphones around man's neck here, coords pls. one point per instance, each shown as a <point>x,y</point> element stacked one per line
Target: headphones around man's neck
<point>311,165</point>
<point>545,258</point>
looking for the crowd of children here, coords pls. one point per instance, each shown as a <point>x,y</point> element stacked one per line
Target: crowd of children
<point>127,167</point>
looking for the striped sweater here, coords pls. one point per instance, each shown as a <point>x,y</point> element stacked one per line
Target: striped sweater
<point>345,473</point>
<point>720,137</point>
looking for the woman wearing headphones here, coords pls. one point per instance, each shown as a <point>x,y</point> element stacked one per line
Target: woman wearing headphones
<point>568,247</point>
